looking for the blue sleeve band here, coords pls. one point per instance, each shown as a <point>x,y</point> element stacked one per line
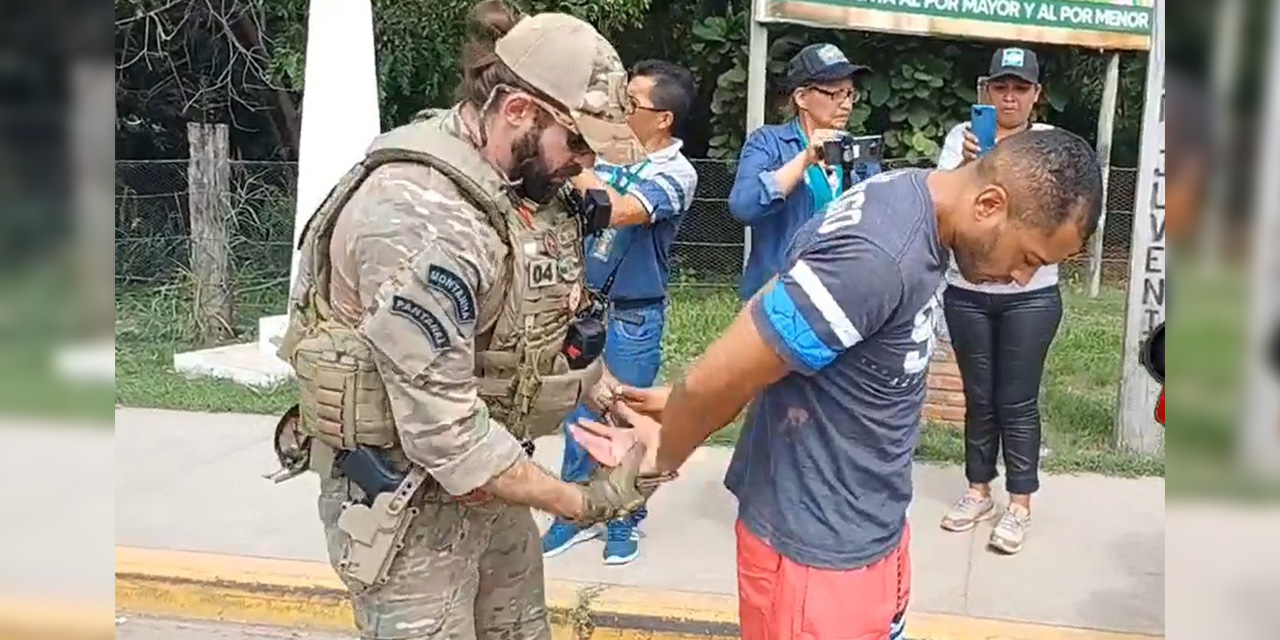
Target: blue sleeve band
<point>794,331</point>
<point>677,194</point>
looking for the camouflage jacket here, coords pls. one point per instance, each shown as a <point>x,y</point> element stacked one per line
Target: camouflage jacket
<point>464,301</point>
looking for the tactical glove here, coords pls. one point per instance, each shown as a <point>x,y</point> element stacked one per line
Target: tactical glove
<point>617,492</point>
<point>602,394</point>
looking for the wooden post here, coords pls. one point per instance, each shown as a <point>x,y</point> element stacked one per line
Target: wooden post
<point>1106,127</point>
<point>94,86</point>
<point>1259,441</point>
<point>757,77</point>
<point>1136,426</point>
<point>1226,65</point>
<point>208,196</point>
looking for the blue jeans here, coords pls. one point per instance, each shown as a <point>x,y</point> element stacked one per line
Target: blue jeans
<point>633,353</point>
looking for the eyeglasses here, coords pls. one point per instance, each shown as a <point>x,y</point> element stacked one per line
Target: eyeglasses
<point>633,106</point>
<point>839,95</point>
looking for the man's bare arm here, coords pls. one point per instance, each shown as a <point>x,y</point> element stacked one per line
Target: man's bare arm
<point>733,370</point>
<point>527,483</point>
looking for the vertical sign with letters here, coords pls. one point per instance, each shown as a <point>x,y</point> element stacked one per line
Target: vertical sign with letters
<point>1136,425</point>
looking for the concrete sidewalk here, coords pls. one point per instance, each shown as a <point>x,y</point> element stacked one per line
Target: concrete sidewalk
<point>1094,559</point>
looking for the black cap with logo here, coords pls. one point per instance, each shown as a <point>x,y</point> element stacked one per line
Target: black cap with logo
<point>819,63</point>
<point>1016,62</point>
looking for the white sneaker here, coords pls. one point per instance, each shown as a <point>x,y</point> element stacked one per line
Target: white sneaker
<point>1011,530</point>
<point>968,511</point>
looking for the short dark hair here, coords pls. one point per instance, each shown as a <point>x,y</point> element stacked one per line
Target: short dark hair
<point>674,89</point>
<point>1053,177</point>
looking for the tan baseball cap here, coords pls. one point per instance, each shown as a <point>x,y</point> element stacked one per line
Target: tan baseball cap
<point>570,61</point>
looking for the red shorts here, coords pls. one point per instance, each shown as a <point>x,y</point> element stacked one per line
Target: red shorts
<point>781,600</point>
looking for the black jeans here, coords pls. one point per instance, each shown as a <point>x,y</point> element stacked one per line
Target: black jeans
<point>1001,341</point>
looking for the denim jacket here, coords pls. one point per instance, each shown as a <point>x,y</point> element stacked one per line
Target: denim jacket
<point>758,203</point>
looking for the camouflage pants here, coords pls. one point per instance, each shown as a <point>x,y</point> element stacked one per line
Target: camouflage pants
<point>465,572</point>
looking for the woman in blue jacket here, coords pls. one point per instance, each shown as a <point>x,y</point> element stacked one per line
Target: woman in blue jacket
<point>778,159</point>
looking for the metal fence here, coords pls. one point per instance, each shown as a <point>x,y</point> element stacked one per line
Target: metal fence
<point>152,237</point>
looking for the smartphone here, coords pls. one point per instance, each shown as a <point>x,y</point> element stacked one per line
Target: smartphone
<point>982,122</point>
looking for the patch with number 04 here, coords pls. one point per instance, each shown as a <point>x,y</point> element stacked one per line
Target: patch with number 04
<point>542,273</point>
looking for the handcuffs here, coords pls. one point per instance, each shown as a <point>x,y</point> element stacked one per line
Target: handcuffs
<point>646,482</point>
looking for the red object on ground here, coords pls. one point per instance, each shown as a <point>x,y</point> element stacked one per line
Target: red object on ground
<point>1160,408</point>
<point>781,600</point>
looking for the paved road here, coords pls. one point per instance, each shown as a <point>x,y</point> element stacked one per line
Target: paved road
<point>1095,556</point>
<point>159,629</point>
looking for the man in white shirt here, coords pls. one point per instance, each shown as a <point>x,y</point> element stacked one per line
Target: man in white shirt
<point>630,264</point>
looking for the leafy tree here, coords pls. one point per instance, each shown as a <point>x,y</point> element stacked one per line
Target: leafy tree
<point>919,89</point>
<point>241,62</point>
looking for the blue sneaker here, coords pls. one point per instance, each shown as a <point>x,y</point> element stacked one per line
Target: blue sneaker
<point>623,543</point>
<point>563,535</point>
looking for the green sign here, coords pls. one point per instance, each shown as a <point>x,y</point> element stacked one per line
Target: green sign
<point>1108,24</point>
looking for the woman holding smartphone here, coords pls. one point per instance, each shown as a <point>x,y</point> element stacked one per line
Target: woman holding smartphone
<point>1001,335</point>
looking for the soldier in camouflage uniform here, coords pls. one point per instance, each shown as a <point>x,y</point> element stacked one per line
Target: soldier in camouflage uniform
<point>438,281</point>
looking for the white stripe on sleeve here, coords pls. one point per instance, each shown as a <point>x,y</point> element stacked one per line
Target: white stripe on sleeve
<point>826,305</point>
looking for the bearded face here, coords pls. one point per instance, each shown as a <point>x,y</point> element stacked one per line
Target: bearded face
<point>536,179</point>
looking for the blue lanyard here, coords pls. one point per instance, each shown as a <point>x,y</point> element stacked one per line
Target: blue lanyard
<point>623,179</point>
<point>816,178</point>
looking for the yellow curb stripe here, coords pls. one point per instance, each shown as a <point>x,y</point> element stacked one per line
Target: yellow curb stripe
<point>937,626</point>
<point>290,593</point>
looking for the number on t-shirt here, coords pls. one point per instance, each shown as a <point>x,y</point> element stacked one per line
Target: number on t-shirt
<point>922,332</point>
<point>844,213</point>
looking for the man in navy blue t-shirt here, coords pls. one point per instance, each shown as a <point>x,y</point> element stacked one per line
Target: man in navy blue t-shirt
<point>833,354</point>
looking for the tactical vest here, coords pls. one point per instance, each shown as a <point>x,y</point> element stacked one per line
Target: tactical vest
<point>522,375</point>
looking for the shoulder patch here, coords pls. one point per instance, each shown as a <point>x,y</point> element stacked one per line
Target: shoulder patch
<point>455,289</point>
<point>425,320</point>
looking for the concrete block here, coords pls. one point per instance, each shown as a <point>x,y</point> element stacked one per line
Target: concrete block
<point>246,364</point>
<point>270,331</point>
<point>91,362</point>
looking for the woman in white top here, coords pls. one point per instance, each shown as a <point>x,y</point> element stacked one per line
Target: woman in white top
<point>1001,335</point>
